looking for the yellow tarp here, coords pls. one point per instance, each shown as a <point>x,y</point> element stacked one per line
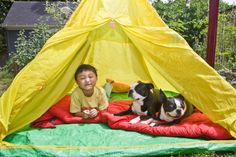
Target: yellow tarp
<point>127,41</point>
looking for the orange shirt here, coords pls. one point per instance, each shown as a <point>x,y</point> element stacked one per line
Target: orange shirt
<point>80,102</point>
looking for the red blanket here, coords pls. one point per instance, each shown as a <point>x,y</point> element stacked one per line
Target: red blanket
<point>196,125</point>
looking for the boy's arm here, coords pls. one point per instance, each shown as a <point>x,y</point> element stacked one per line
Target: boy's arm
<point>103,104</point>
<point>75,105</point>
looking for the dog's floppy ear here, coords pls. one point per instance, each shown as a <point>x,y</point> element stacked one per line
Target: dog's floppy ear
<point>180,97</point>
<point>162,95</point>
<point>150,85</point>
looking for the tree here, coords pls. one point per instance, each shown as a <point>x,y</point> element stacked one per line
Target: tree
<point>188,18</point>
<point>5,6</point>
<point>226,39</point>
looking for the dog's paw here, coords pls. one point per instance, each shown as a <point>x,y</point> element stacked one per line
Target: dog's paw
<point>135,120</point>
<point>145,122</point>
<point>153,124</point>
<point>148,121</point>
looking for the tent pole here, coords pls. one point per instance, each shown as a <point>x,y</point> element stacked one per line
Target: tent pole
<point>212,31</point>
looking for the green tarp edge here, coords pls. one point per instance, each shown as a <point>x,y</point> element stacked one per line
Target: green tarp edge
<point>99,140</point>
<point>147,151</point>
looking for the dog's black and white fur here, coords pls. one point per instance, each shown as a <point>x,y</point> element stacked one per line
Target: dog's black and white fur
<point>144,102</point>
<point>147,101</point>
<point>172,110</point>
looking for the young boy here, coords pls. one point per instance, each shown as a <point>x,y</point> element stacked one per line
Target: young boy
<point>87,99</point>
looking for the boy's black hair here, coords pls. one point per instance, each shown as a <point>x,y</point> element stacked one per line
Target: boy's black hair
<point>85,67</point>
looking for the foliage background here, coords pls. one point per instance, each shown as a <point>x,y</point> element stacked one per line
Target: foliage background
<point>190,19</point>
<point>226,47</point>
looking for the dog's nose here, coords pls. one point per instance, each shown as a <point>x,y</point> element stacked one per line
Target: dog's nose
<point>178,111</point>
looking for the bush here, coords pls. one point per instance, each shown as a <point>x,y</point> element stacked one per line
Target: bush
<point>6,78</point>
<point>226,38</point>
<point>28,46</point>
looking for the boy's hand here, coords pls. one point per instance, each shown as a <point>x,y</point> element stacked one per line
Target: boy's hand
<point>93,113</point>
<point>86,114</point>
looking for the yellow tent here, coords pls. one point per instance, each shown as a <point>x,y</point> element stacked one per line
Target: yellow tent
<point>125,40</point>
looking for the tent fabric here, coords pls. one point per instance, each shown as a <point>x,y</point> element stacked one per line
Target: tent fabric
<point>126,41</point>
<point>88,140</point>
<point>196,125</point>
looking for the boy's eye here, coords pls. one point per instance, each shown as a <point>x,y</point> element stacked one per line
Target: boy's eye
<point>83,78</point>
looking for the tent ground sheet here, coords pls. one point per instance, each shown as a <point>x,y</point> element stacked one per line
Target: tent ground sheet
<point>100,140</point>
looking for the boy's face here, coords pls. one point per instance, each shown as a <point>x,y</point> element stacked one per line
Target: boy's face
<point>86,80</point>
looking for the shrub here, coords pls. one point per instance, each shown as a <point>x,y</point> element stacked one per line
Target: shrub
<point>28,46</point>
